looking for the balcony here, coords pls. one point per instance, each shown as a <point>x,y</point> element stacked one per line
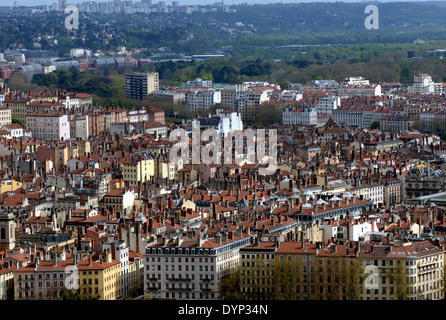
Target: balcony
<point>180,279</point>
<point>152,279</point>
<point>426,268</point>
<point>153,288</point>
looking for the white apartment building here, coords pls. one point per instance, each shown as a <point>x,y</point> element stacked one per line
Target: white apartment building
<point>79,52</point>
<point>292,116</point>
<point>79,127</point>
<point>15,131</point>
<point>202,98</point>
<point>156,128</point>
<point>230,121</point>
<point>342,233</point>
<point>288,95</point>
<point>6,281</point>
<point>423,84</point>
<point>328,104</point>
<point>355,116</point>
<point>232,93</point>
<point>198,83</point>
<point>5,116</point>
<point>70,102</point>
<point>355,81</point>
<point>374,192</point>
<point>137,116</point>
<point>191,268</point>
<point>120,252</point>
<point>360,90</point>
<point>49,125</point>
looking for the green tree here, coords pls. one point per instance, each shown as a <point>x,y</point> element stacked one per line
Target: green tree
<point>375,125</point>
<point>75,295</point>
<point>338,277</point>
<point>14,120</point>
<point>230,285</point>
<point>287,275</point>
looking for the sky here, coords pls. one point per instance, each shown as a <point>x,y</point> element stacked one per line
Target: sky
<point>182,2</point>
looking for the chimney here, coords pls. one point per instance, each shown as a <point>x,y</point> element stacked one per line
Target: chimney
<point>200,240</point>
<point>179,240</point>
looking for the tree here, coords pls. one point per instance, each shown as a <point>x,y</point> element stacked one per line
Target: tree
<point>75,295</point>
<point>375,125</point>
<point>288,274</point>
<point>258,279</point>
<point>399,278</point>
<point>230,285</point>
<point>14,120</point>
<point>337,278</point>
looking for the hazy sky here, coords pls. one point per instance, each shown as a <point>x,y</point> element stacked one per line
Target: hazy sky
<point>182,2</point>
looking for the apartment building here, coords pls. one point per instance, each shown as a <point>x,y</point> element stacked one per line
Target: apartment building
<point>230,121</point>
<point>373,191</point>
<point>175,96</point>
<point>113,115</point>
<point>396,123</point>
<point>156,114</point>
<point>79,127</point>
<point>392,188</point>
<point>49,125</point>
<point>191,268</point>
<point>360,90</point>
<point>231,94</point>
<point>5,116</point>
<point>354,116</point>
<point>7,280</point>
<point>423,84</point>
<point>254,96</point>
<point>292,116</point>
<point>136,171</point>
<point>326,105</point>
<point>139,85</point>
<point>403,270</point>
<point>197,83</point>
<point>165,169</point>
<point>354,81</point>
<point>18,107</point>
<point>202,98</point>
<point>14,130</point>
<point>120,252</point>
<point>44,278</point>
<point>257,267</point>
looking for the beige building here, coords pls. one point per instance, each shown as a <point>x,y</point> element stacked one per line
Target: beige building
<point>406,271</point>
<point>139,85</point>
<point>5,116</point>
<point>7,281</point>
<point>49,125</point>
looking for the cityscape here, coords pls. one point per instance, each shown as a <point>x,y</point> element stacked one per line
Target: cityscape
<point>214,161</point>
